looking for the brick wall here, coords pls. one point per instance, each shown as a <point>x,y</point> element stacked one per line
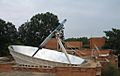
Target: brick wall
<point>57,71</point>
<point>52,44</point>
<point>75,71</point>
<point>74,44</point>
<point>98,41</point>
<point>6,67</point>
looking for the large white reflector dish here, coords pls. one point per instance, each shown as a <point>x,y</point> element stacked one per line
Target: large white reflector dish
<point>46,54</point>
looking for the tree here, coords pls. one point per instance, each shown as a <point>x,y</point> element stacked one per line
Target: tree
<point>8,35</point>
<point>113,40</point>
<point>32,33</point>
<point>110,70</point>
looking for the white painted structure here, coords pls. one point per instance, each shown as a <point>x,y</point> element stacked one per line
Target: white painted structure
<point>44,57</point>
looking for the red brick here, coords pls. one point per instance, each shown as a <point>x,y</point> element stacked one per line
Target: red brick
<point>98,41</point>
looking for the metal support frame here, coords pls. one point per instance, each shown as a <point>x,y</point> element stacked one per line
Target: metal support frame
<point>62,47</point>
<point>60,26</point>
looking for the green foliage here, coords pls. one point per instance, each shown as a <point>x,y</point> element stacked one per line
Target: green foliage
<point>8,35</point>
<point>113,40</point>
<point>110,70</point>
<point>32,33</point>
<point>83,39</point>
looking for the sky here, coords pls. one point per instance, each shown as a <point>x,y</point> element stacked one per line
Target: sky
<point>85,18</point>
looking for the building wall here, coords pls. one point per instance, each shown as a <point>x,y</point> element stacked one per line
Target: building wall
<point>75,71</point>
<point>104,60</point>
<point>88,52</point>
<point>57,71</point>
<point>52,44</point>
<point>6,67</point>
<point>98,41</point>
<point>74,44</point>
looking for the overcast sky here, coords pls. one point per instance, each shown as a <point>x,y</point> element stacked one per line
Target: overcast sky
<point>84,17</point>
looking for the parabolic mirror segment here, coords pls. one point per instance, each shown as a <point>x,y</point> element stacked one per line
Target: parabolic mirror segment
<point>45,54</point>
